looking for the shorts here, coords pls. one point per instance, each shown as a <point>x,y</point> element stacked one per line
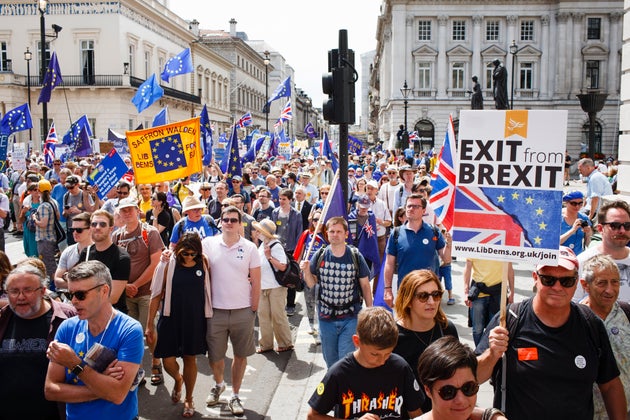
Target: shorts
<point>237,325</point>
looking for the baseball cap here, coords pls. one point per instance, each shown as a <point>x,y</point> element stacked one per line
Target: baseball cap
<point>237,178</point>
<point>44,185</point>
<point>364,202</point>
<point>566,259</point>
<point>373,184</point>
<point>127,202</point>
<point>72,179</point>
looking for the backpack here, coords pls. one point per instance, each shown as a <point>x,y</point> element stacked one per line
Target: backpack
<point>290,277</point>
<point>358,295</point>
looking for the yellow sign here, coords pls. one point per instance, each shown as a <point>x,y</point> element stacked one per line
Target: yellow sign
<point>165,152</point>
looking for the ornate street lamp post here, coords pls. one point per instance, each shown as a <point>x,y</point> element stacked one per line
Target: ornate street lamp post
<point>28,56</point>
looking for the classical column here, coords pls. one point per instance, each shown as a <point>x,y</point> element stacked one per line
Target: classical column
<point>545,80</point>
<point>576,41</point>
<point>613,54</point>
<point>561,51</point>
<point>442,66</point>
<point>410,71</point>
<point>476,48</point>
<point>399,52</point>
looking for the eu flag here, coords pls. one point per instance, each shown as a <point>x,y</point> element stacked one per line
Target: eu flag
<point>161,118</point>
<point>72,135</point>
<point>17,119</point>
<point>51,79</point>
<point>234,161</point>
<point>206,136</point>
<point>83,147</point>
<point>327,152</point>
<point>148,92</point>
<point>168,153</point>
<point>283,90</point>
<point>180,64</point>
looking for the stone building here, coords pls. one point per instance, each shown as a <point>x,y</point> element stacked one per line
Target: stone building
<point>552,50</point>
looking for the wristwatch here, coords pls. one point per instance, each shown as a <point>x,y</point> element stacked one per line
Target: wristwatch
<point>78,369</point>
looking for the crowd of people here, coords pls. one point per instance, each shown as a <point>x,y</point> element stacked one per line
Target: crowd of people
<point>191,265</point>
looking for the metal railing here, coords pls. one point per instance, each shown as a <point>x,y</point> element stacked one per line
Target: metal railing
<point>88,80</point>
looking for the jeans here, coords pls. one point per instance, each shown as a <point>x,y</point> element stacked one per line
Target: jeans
<point>336,336</point>
<point>483,309</point>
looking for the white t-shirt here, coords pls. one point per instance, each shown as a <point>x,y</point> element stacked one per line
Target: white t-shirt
<point>267,277</point>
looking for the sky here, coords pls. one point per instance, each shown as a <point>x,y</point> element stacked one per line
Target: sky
<point>302,32</point>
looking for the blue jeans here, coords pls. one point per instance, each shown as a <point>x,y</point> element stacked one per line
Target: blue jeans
<point>336,336</point>
<point>445,273</point>
<point>483,309</point>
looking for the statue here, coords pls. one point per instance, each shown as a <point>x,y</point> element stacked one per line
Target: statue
<point>499,78</point>
<point>476,100</point>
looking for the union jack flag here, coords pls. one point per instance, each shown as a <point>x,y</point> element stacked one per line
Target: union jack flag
<point>50,145</point>
<point>287,112</point>
<point>443,180</point>
<point>245,120</point>
<point>413,136</point>
<point>368,230</point>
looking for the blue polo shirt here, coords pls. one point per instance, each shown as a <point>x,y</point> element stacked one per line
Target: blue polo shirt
<point>416,250</point>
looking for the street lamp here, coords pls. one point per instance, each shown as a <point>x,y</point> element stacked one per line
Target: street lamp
<point>42,33</point>
<point>28,56</point>
<point>405,93</point>
<point>266,108</point>
<point>514,52</point>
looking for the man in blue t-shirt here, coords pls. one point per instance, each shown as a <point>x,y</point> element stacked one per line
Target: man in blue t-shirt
<point>414,246</point>
<point>339,300</point>
<point>95,357</point>
<point>193,221</point>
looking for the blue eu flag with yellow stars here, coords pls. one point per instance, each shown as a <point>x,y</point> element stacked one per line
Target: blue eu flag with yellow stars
<point>148,92</point>
<point>180,64</point>
<point>168,153</point>
<point>17,119</point>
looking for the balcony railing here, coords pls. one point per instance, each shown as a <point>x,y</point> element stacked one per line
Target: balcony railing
<point>78,80</point>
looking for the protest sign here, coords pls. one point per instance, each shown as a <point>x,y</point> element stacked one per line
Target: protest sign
<point>107,173</point>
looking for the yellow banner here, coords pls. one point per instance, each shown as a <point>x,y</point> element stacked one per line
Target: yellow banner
<point>165,152</point>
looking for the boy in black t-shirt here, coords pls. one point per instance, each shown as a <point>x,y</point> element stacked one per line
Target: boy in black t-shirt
<point>371,379</point>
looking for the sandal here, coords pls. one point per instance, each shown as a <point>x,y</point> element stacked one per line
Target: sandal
<point>283,349</point>
<point>157,378</point>
<point>260,350</point>
<point>189,409</point>
<point>176,395</point>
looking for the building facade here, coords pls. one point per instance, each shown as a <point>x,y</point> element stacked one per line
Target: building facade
<point>552,50</point>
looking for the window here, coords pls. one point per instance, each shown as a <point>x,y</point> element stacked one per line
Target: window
<point>459,30</point>
<point>4,61</point>
<point>87,62</point>
<point>132,54</point>
<point>458,76</point>
<point>492,30</point>
<point>47,52</point>
<point>594,28</point>
<point>424,30</point>
<point>598,136</point>
<point>592,74</point>
<point>527,30</point>
<point>147,64</point>
<point>424,75</point>
<point>527,78</point>
<point>92,122</point>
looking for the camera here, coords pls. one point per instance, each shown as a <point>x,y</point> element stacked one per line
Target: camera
<point>584,223</point>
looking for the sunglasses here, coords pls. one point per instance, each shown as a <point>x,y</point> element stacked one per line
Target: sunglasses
<point>189,254</point>
<point>448,392</point>
<point>229,220</point>
<point>99,224</point>
<point>549,281</point>
<point>424,296</point>
<point>78,230</point>
<point>576,203</point>
<point>80,294</point>
<point>618,225</point>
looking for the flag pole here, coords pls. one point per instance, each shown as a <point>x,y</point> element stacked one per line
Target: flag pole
<point>502,317</point>
<point>329,199</point>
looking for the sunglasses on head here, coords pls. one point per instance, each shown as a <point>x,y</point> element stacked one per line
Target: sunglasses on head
<point>549,281</point>
<point>80,294</point>
<point>448,392</point>
<point>229,220</point>
<point>617,225</point>
<point>424,296</point>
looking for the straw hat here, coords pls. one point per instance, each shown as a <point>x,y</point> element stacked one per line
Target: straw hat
<point>191,203</point>
<point>266,227</point>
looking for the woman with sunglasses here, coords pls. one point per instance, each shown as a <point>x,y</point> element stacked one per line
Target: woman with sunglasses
<point>575,231</point>
<point>182,287</point>
<point>420,317</point>
<point>447,371</point>
<point>160,216</point>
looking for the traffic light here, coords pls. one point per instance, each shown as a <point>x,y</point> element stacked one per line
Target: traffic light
<point>338,84</point>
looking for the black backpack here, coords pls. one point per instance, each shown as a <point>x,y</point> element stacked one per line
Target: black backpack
<point>290,277</point>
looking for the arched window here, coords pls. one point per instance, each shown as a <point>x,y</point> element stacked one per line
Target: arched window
<point>426,134</point>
